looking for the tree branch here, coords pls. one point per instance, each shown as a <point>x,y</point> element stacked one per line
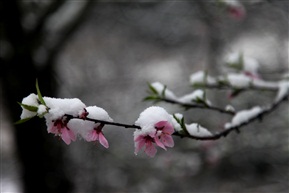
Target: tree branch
<point>104,122</point>
<point>188,105</point>
<point>225,132</point>
<point>214,136</point>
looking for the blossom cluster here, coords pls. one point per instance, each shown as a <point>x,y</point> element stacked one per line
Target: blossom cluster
<point>71,118</point>
<point>60,117</point>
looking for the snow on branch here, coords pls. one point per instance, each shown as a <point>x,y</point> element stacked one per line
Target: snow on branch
<point>70,119</point>
<point>198,99</point>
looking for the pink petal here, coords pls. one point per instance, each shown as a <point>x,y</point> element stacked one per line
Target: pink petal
<point>53,130</point>
<point>159,143</point>
<point>91,136</point>
<point>167,127</point>
<point>65,136</point>
<point>150,149</point>
<point>139,138</point>
<point>72,135</point>
<point>103,140</point>
<point>167,140</point>
<point>139,144</point>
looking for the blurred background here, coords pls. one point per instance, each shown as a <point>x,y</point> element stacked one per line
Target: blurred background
<point>105,53</point>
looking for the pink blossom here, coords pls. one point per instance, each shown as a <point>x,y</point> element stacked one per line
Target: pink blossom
<point>147,141</point>
<point>160,135</point>
<point>97,134</point>
<point>163,137</point>
<point>60,128</point>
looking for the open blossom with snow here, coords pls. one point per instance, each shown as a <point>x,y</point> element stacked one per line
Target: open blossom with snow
<point>56,120</point>
<point>156,128</point>
<point>59,128</point>
<point>90,130</point>
<point>58,112</point>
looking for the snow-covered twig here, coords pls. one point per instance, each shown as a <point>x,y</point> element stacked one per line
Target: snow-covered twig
<point>197,106</point>
<point>69,117</point>
<point>235,127</point>
<point>196,99</point>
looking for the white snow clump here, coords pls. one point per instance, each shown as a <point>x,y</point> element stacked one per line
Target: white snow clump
<point>243,116</point>
<point>197,130</point>
<point>160,88</point>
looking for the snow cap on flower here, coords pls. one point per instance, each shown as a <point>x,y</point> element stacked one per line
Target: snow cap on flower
<point>150,116</point>
<point>58,107</point>
<point>90,130</point>
<point>156,127</point>
<point>31,100</point>
<point>56,120</point>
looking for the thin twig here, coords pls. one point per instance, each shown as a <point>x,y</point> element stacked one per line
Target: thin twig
<point>104,122</point>
<point>225,132</point>
<point>189,105</point>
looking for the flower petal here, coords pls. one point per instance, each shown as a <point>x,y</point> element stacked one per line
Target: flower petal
<point>103,140</point>
<point>65,136</point>
<point>159,143</point>
<point>71,135</point>
<point>166,127</point>
<point>167,140</point>
<point>53,130</point>
<point>139,144</point>
<point>150,149</point>
<point>91,136</point>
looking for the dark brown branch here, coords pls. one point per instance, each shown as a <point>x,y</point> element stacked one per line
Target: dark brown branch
<point>215,136</point>
<point>104,122</point>
<point>225,132</point>
<point>188,105</point>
